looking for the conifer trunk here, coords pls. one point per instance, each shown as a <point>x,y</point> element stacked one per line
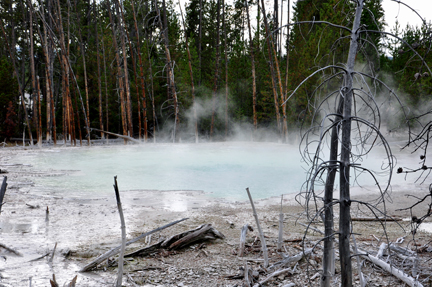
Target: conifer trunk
<point>216,76</point>
<point>170,72</point>
<point>99,80</point>
<point>272,69</point>
<point>251,48</point>
<point>144,99</point>
<point>120,77</point>
<point>226,69</point>
<point>33,74</point>
<point>192,79</point>
<point>81,44</point>
<point>125,72</point>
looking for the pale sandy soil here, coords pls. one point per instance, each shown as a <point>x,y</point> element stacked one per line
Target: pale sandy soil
<point>85,228</point>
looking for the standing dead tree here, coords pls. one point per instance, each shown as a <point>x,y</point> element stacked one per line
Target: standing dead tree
<point>170,69</point>
<point>343,139</point>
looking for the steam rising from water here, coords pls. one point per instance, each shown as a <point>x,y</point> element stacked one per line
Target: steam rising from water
<point>222,169</point>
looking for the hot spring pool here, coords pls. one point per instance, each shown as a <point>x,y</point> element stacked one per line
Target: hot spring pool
<point>221,170</point>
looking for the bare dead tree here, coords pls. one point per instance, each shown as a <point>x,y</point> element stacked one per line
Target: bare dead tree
<point>191,76</point>
<point>254,93</point>
<point>216,75</point>
<point>346,128</point>
<point>170,71</point>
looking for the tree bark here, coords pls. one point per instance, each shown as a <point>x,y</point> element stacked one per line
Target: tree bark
<point>144,99</point>
<point>120,76</point>
<point>33,75</point>
<point>192,79</point>
<point>170,71</point>
<point>216,77</point>
<point>272,69</point>
<point>345,199</point>
<point>252,55</point>
<point>101,125</point>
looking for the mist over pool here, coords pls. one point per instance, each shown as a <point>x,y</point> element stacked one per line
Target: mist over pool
<point>221,170</point>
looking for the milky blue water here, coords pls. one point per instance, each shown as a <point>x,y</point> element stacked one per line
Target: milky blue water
<point>222,170</point>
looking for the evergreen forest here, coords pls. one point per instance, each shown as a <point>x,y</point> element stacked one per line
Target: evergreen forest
<point>163,70</point>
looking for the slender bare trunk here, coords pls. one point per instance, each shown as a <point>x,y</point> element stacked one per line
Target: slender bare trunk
<point>252,54</point>
<point>170,71</point>
<point>125,71</point>
<point>226,69</point>
<point>199,42</point>
<point>344,178</point>
<point>192,79</point>
<point>216,76</point>
<point>272,68</point>
<point>120,76</point>
<point>33,74</point>
<point>99,80</point>
<point>81,44</point>
<point>144,99</point>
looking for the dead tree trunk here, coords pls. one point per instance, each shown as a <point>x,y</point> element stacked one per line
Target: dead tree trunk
<point>226,69</point>
<point>199,43</point>
<point>345,199</point>
<point>122,28</point>
<point>170,70</point>
<point>216,77</point>
<point>254,99</point>
<point>19,82</point>
<point>101,125</point>
<point>272,69</point>
<point>144,99</point>
<point>120,76</point>
<point>81,44</point>
<point>33,75</point>
<point>192,79</point>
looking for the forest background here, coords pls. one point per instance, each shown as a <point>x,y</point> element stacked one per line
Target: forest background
<point>71,69</point>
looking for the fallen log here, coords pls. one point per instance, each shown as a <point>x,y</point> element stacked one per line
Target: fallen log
<point>116,250</point>
<point>375,219</point>
<point>178,241</point>
<point>207,232</point>
<point>410,281</point>
<point>117,135</point>
<point>289,260</point>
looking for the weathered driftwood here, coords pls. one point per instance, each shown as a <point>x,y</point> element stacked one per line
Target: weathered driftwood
<point>392,270</point>
<point>52,254</point>
<point>289,260</point>
<point>123,233</point>
<point>243,238</point>
<point>10,249</point>
<point>276,273</point>
<point>281,219</point>
<point>207,232</point>
<point>146,250</point>
<point>375,219</point>
<point>116,250</point>
<point>3,191</point>
<point>263,242</point>
<point>178,241</point>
